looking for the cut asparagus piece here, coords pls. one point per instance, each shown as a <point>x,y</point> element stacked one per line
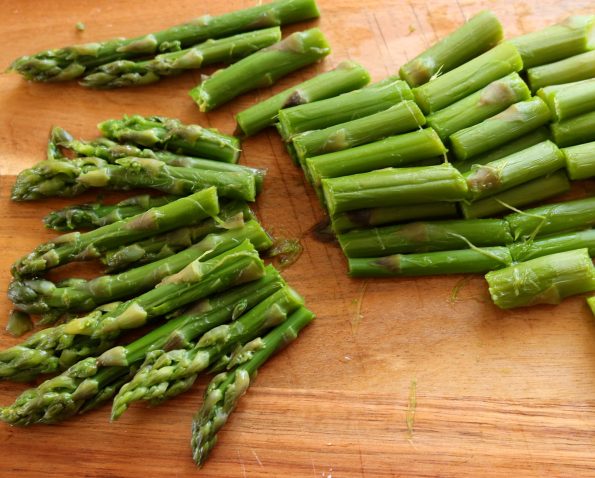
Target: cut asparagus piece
<point>553,218</point>
<point>577,130</point>
<point>342,108</point>
<point>570,99</point>
<point>261,69</point>
<point>591,303</point>
<point>482,104</point>
<point>162,372</point>
<point>575,68</point>
<point>400,118</point>
<point>580,160</point>
<point>19,323</point>
<point>468,78</point>
<point>347,76</point>
<point>225,390</point>
<point>482,32</point>
<point>81,246</point>
<point>545,280</point>
<point>395,151</point>
<point>71,62</point>
<point>394,187</point>
<point>464,261</point>
<point>544,246</point>
<point>121,73</point>
<point>173,135</point>
<point>518,168</point>
<point>556,42</point>
<point>512,123</point>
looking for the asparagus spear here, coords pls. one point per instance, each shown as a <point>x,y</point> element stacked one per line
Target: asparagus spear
<point>161,374</point>
<point>544,280</point>
<point>424,237</point>
<point>261,69</point>
<point>56,348</point>
<point>80,246</point>
<point>575,130</point>
<point>482,104</point>
<point>173,135</point>
<point>342,108</point>
<point>519,196</point>
<point>569,100</point>
<point>468,78</point>
<point>395,151</point>
<point>71,62</point>
<point>72,392</point>
<point>482,32</point>
<point>556,42</point>
<point>544,246</point>
<point>347,76</point>
<point>121,73</point>
<point>553,218</point>
<point>394,187</point>
<point>224,391</point>
<point>464,261</point>
<point>518,168</point>
<point>575,68</point>
<point>512,123</point>
<point>580,160</point>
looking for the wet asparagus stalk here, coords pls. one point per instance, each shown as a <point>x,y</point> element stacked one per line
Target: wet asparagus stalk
<point>468,78</point>
<point>543,246</point>
<point>482,32</point>
<point>394,187</point>
<point>569,100</point>
<point>171,134</point>
<point>425,237</point>
<point>544,280</point>
<point>121,73</point>
<point>556,42</point>
<point>71,62</point>
<point>81,246</point>
<point>261,69</point>
<point>165,374</point>
<point>347,76</point>
<point>576,68</point>
<point>479,106</point>
<point>580,160</point>
<point>575,130</point>
<point>225,390</point>
<point>463,261</point>
<point>512,123</point>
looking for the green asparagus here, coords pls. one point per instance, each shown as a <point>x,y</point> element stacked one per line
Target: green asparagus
<point>575,130</point>
<point>543,246</point>
<point>570,99</point>
<point>575,68</point>
<point>591,303</point>
<point>580,160</point>
<point>19,323</point>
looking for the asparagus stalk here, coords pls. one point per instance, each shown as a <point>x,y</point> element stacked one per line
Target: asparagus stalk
<point>591,303</point>
<point>580,160</point>
<point>518,168</point>
<point>80,246</point>
<point>544,280</point>
<point>424,237</point>
<point>569,100</point>
<point>552,218</point>
<point>394,151</point>
<point>556,42</point>
<point>261,69</point>
<point>576,68</point>
<point>519,196</point>
<point>394,187</point>
<point>224,391</point>
<point>163,373</point>
<point>479,106</point>
<point>482,32</point>
<point>340,109</point>
<point>72,392</point>
<point>544,246</point>
<point>173,135</point>
<point>512,123</point>
<point>121,73</point>
<point>347,76</point>
<point>575,130</point>
<point>71,62</point>
<point>464,261</point>
<point>468,78</point>
<point>400,118</point>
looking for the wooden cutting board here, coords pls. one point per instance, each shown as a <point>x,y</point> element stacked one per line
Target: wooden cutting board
<point>411,377</point>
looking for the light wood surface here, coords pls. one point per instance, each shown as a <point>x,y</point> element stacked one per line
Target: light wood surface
<point>497,393</point>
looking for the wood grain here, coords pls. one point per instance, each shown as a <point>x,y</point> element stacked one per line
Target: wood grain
<point>497,393</point>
